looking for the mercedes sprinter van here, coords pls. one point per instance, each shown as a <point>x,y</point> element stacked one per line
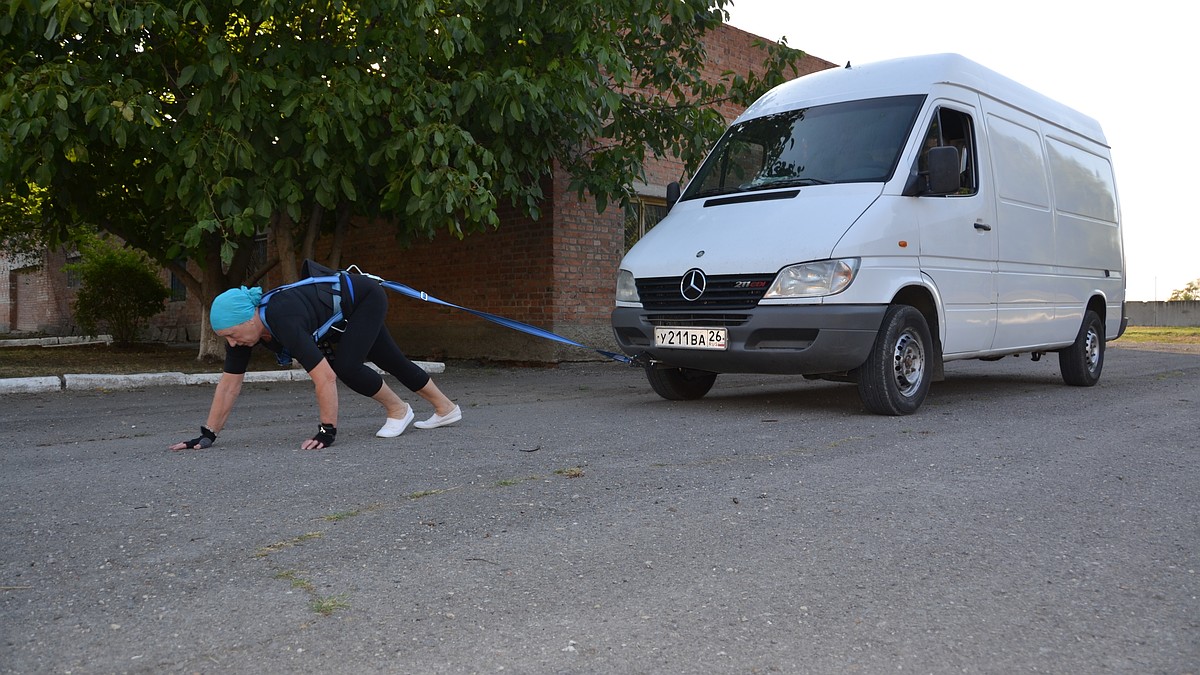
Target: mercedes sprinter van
<point>867,224</point>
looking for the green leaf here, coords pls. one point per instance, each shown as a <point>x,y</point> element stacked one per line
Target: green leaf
<point>114,21</point>
<point>186,75</point>
<point>227,251</point>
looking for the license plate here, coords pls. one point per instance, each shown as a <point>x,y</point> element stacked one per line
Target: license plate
<point>691,338</point>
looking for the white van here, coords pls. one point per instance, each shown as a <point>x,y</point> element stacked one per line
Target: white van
<point>868,223</point>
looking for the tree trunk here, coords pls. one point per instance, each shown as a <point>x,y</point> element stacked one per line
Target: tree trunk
<point>211,347</point>
<point>285,243</point>
<point>213,282</point>
<point>308,250</point>
<point>339,235</point>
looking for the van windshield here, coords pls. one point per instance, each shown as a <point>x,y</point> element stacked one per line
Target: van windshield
<point>851,142</point>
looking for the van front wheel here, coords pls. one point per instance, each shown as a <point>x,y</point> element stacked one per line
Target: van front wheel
<point>896,375</point>
<point>680,384</point>
<point>1082,362</point>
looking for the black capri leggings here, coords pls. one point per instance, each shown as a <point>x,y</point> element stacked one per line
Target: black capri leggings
<point>367,339</point>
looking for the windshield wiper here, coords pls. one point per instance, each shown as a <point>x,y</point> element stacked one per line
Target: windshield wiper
<point>793,182</point>
<point>715,192</point>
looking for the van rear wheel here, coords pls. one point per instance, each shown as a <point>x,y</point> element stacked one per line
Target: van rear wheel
<point>895,378</point>
<point>680,384</point>
<point>1082,362</point>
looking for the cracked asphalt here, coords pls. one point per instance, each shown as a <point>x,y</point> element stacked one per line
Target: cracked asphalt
<point>574,522</point>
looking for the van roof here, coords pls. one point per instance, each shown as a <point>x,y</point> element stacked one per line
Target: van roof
<point>916,75</point>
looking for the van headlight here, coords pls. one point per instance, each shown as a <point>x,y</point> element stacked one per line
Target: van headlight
<point>626,287</point>
<point>814,279</point>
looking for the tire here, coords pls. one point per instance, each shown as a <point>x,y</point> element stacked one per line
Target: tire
<point>1082,362</point>
<point>894,379</point>
<point>680,384</point>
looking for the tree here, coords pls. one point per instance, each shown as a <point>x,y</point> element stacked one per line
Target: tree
<point>187,127</point>
<point>20,215</point>
<point>1189,292</point>
<point>118,290</point>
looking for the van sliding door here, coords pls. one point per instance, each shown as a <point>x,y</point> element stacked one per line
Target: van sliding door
<point>1025,232</point>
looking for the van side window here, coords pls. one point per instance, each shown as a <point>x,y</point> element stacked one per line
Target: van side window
<point>954,128</point>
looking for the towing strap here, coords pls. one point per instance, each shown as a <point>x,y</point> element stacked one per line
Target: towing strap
<point>503,321</point>
<point>316,274</point>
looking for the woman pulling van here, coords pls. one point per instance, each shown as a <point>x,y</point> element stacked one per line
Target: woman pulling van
<point>867,224</point>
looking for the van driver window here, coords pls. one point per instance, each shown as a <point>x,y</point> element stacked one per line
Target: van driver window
<point>954,128</point>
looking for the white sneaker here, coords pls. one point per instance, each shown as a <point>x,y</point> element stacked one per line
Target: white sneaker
<point>394,427</point>
<point>441,420</point>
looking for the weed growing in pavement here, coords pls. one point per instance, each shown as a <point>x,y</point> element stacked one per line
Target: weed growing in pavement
<point>296,580</point>
<point>430,493</point>
<point>282,545</point>
<point>329,604</point>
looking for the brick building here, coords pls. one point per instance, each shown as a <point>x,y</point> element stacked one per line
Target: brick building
<point>36,294</point>
<point>558,272</point>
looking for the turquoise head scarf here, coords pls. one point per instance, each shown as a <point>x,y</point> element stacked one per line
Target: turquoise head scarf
<point>234,306</point>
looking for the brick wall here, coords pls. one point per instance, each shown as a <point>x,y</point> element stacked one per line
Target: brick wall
<point>508,271</point>
<point>34,295</point>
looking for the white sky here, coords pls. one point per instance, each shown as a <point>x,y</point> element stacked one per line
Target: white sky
<point>1130,65</point>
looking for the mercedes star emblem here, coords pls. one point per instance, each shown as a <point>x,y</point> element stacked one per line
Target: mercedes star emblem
<point>693,284</point>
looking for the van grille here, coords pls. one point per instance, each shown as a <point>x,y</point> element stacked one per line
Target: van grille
<point>732,291</point>
<point>705,320</point>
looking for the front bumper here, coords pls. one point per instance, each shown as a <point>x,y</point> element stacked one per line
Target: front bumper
<point>776,339</point>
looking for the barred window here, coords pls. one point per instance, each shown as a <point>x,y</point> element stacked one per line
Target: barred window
<point>641,215</point>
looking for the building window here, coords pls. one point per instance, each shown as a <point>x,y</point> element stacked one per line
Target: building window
<point>259,256</point>
<point>178,290</point>
<point>73,278</point>
<point>642,214</point>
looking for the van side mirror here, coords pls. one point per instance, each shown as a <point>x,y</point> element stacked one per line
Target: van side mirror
<point>673,192</point>
<point>942,170</point>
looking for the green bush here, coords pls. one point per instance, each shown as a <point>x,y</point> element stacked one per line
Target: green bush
<point>119,290</point>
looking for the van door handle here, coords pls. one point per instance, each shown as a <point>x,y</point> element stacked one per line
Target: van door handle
<point>983,227</point>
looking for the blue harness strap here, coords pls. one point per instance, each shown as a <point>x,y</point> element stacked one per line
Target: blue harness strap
<point>508,323</point>
<point>336,281</point>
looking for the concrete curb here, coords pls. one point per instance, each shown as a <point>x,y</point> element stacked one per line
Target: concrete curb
<point>30,385</point>
<point>58,341</point>
<point>81,381</point>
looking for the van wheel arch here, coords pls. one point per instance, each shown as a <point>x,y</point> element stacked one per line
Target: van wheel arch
<point>921,299</point>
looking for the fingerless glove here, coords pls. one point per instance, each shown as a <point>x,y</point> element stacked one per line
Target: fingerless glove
<point>205,440</point>
<point>325,434</point>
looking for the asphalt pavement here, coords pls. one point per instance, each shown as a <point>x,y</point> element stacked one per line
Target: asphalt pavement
<point>574,522</point>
